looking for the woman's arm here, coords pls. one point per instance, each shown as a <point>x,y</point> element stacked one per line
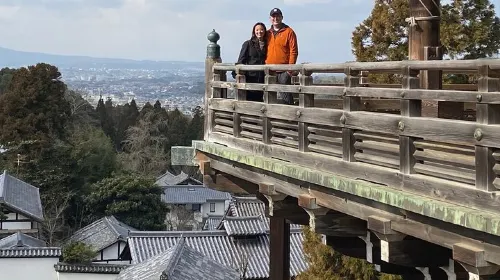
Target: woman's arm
<point>243,58</point>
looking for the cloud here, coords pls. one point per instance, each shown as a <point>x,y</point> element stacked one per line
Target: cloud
<point>172,29</point>
<point>305,2</point>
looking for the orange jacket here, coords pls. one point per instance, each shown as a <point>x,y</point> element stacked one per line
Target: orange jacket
<point>282,48</point>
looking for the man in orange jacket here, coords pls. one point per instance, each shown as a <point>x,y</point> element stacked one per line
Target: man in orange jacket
<point>282,48</point>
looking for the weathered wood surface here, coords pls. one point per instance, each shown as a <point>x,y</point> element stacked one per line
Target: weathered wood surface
<point>435,129</point>
<point>453,66</point>
<point>371,92</point>
<point>396,221</point>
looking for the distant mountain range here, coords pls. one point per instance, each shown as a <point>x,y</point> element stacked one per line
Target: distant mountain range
<point>13,58</point>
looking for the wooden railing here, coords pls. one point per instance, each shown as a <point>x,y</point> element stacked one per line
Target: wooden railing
<point>450,159</point>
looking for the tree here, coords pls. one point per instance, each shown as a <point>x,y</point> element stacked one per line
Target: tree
<point>326,263</point>
<point>195,127</point>
<point>145,146</point>
<point>133,199</point>
<point>93,154</point>
<point>179,218</point>
<point>469,29</point>
<point>54,222</point>
<point>78,252</point>
<point>33,106</point>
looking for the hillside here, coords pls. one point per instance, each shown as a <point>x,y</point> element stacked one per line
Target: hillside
<point>13,58</point>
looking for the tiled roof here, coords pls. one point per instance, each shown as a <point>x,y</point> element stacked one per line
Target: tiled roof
<point>245,225</point>
<point>251,207</point>
<point>44,252</point>
<point>169,179</point>
<point>212,222</point>
<point>219,246</point>
<point>179,262</point>
<point>90,268</point>
<point>247,207</point>
<point>19,239</point>
<point>102,233</point>
<point>20,196</point>
<point>192,194</point>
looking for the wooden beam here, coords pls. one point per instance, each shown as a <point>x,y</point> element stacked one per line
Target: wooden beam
<point>228,183</point>
<point>443,190</point>
<point>348,246</point>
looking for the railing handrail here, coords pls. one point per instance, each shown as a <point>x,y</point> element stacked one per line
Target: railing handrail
<point>449,65</point>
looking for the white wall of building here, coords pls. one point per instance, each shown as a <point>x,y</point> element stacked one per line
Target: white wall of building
<point>84,276</point>
<point>28,268</point>
<point>220,208</point>
<point>15,221</point>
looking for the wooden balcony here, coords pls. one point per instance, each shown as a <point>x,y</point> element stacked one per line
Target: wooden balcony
<point>411,172</point>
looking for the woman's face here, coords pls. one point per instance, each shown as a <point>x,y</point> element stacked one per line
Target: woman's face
<point>259,31</point>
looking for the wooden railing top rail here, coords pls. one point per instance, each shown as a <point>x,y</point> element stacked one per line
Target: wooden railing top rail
<point>385,66</point>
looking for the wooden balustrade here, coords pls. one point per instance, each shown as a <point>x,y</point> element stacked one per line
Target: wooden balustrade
<point>352,134</point>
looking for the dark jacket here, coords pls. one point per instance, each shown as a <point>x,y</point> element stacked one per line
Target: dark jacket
<point>251,54</point>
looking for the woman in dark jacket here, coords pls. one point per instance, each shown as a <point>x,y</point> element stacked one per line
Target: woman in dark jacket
<point>253,52</point>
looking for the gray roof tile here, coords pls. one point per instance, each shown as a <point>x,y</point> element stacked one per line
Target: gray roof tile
<point>245,225</point>
<point>220,247</point>
<point>251,207</point>
<point>169,179</point>
<point>90,268</point>
<point>20,196</point>
<point>44,252</point>
<point>192,194</point>
<point>179,262</point>
<point>212,222</point>
<point>19,239</point>
<point>102,233</point>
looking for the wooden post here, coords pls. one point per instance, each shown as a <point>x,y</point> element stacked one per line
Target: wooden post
<point>409,108</point>
<point>350,103</point>
<point>240,95</point>
<point>213,56</point>
<point>425,44</point>
<point>279,256</point>
<point>270,97</point>
<point>305,100</point>
<point>486,114</point>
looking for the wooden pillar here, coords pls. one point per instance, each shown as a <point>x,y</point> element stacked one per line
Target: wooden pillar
<point>279,256</point>
<point>350,103</point>
<point>425,44</point>
<point>213,56</point>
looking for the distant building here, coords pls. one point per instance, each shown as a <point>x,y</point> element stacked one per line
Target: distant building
<point>179,262</point>
<point>25,257</point>
<point>107,236</point>
<point>21,207</point>
<point>191,205</point>
<point>169,179</point>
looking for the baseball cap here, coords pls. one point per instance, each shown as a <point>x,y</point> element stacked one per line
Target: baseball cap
<point>276,11</point>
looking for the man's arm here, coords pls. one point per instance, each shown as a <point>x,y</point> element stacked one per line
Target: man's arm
<point>294,47</point>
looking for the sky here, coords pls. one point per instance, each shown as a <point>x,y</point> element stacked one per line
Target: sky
<point>175,29</point>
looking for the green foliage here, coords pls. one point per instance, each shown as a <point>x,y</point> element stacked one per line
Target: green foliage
<point>93,154</point>
<point>195,128</point>
<point>326,264</point>
<point>133,199</point>
<point>5,78</point>
<point>78,252</point>
<point>469,29</point>
<point>33,106</point>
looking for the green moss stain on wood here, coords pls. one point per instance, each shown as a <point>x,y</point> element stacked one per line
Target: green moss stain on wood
<point>459,215</point>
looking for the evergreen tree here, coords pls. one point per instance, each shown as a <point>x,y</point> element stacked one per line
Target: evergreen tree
<point>469,29</point>
<point>196,125</point>
<point>33,106</point>
<point>325,263</point>
<point>133,199</point>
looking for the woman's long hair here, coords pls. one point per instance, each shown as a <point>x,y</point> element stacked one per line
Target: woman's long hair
<point>254,38</point>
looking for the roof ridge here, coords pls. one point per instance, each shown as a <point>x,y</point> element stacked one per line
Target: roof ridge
<point>108,221</point>
<point>177,233</point>
<point>174,259</point>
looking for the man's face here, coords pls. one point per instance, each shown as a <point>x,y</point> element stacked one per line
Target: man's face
<point>276,19</point>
